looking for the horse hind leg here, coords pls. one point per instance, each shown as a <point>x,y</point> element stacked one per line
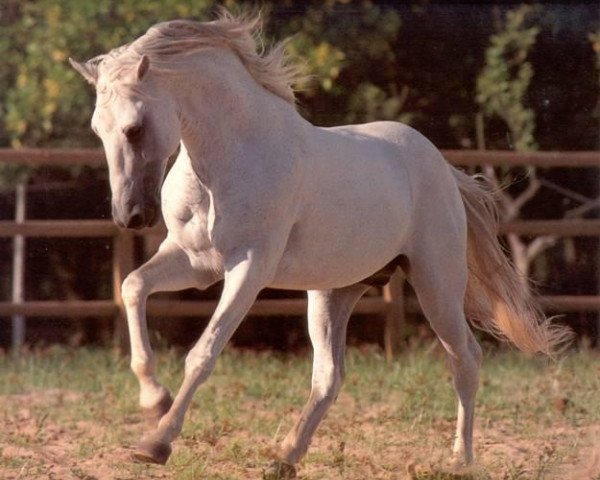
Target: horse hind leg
<point>440,284</point>
<point>328,314</point>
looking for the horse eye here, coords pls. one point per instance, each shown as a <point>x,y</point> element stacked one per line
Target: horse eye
<point>133,132</point>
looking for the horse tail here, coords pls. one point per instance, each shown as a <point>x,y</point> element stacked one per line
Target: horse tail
<point>497,300</point>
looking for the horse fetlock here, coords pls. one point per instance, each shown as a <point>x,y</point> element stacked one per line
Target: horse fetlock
<point>293,448</point>
<point>143,367</point>
<point>155,410</point>
<point>279,471</point>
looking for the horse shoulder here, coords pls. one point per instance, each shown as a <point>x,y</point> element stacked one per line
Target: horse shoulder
<point>256,206</point>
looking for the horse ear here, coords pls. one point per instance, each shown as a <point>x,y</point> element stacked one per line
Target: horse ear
<point>142,67</point>
<point>87,70</point>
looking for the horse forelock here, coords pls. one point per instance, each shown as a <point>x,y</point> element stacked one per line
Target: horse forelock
<point>167,43</point>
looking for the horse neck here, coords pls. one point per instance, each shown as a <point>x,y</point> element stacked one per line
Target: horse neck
<point>223,110</point>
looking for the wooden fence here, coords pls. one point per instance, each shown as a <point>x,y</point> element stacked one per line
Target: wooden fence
<point>391,305</point>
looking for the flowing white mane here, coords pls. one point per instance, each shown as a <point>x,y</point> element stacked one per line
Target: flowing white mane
<point>164,42</point>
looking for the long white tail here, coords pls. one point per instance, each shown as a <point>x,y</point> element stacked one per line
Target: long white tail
<point>496,300</point>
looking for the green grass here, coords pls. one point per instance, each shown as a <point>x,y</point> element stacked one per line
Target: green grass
<point>73,414</point>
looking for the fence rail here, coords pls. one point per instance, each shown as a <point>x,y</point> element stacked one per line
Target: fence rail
<point>106,228</point>
<point>391,304</point>
<point>173,308</point>
<point>266,307</point>
<point>93,157</point>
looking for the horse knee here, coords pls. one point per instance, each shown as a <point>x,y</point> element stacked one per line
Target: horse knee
<point>133,289</point>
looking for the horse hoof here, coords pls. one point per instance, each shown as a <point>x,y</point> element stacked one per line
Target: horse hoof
<point>155,413</point>
<point>152,451</point>
<point>279,471</point>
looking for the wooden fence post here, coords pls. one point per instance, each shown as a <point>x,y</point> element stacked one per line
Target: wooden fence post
<point>18,270</point>
<point>123,264</point>
<point>393,295</point>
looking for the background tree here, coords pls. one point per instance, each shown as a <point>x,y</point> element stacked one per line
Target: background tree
<point>502,88</point>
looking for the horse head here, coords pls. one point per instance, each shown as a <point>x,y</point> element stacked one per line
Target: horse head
<point>139,130</point>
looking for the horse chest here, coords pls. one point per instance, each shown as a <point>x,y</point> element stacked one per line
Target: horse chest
<point>188,227</point>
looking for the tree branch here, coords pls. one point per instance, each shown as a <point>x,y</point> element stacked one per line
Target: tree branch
<point>528,193</point>
<point>578,197</point>
<point>538,245</point>
<point>581,210</point>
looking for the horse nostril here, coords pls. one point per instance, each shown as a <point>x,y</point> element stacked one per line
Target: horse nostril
<point>135,221</point>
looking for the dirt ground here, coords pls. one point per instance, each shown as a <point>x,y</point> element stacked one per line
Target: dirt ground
<point>36,445</point>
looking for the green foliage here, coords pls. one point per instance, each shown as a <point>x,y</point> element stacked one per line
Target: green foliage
<point>45,103</point>
<point>343,44</point>
<point>369,60</point>
<point>11,175</point>
<point>502,84</point>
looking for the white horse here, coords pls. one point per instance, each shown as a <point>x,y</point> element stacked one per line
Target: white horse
<point>261,198</point>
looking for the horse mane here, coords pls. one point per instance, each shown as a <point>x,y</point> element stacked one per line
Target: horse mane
<point>165,41</point>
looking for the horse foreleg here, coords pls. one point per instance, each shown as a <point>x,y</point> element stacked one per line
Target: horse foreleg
<point>168,270</point>
<point>244,278</point>
<point>328,314</point>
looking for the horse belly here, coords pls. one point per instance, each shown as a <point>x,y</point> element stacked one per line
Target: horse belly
<point>344,238</point>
